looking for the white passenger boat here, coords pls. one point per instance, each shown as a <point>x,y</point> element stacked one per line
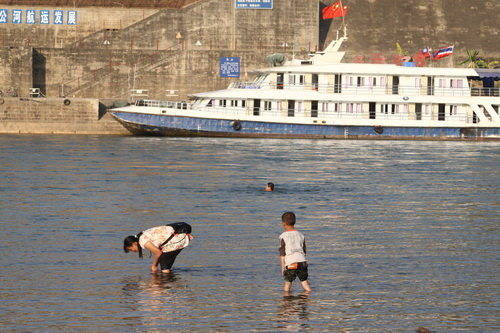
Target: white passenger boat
<point>324,98</point>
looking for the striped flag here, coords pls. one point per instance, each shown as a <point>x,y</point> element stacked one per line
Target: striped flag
<point>443,52</point>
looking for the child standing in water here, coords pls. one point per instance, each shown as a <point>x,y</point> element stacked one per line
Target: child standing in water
<point>292,253</point>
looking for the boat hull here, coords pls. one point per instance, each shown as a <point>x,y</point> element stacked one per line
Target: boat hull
<point>178,126</point>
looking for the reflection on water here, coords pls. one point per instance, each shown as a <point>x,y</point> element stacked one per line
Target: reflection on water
<point>400,234</point>
<point>153,297</point>
<point>293,314</point>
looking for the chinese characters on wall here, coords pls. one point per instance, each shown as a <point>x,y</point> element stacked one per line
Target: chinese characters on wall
<point>32,16</point>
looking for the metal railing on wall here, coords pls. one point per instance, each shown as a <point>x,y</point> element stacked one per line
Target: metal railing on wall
<point>89,79</point>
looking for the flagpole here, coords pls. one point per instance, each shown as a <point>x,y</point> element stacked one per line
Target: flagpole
<point>343,14</point>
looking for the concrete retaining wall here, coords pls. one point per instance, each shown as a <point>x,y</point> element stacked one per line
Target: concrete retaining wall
<point>53,116</point>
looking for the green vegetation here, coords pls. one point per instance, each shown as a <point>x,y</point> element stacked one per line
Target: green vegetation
<point>474,61</point>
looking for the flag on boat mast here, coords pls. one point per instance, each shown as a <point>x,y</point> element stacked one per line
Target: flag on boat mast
<point>426,52</point>
<point>335,10</point>
<point>443,52</point>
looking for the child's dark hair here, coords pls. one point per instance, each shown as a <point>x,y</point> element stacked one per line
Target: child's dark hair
<point>129,240</point>
<point>288,218</point>
<point>271,186</point>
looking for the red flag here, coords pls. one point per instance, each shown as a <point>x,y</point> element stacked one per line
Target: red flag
<point>334,10</point>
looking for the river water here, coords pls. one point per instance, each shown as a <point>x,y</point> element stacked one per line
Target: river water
<point>400,234</point>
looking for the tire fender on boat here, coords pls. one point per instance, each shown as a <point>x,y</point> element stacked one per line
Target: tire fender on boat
<point>378,129</point>
<point>67,102</point>
<point>236,125</point>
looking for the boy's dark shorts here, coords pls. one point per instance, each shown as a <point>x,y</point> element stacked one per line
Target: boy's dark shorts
<point>300,272</point>
<point>167,259</point>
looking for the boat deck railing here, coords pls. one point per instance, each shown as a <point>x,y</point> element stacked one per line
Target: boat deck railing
<point>376,90</point>
<point>274,113</point>
<point>353,113</point>
<point>163,104</point>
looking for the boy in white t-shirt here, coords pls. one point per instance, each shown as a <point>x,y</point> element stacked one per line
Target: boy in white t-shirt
<point>293,253</point>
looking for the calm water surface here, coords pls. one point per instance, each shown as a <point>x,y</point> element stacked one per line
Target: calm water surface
<point>400,234</point>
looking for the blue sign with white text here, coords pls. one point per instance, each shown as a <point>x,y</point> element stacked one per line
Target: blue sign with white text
<point>254,4</point>
<point>4,16</point>
<point>31,16</point>
<point>44,16</point>
<point>230,67</point>
<point>17,16</point>
<point>58,16</point>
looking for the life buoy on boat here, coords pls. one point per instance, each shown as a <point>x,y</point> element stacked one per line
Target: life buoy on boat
<point>236,125</point>
<point>1,101</point>
<point>378,129</point>
<point>67,102</point>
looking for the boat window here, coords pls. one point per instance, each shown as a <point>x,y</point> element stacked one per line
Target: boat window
<point>430,86</point>
<point>243,103</point>
<point>371,107</point>
<point>256,107</point>
<point>350,107</point>
<point>223,102</point>
<point>267,105</point>
<point>361,82</point>
<point>395,85</point>
<point>211,103</point>
<point>314,108</point>
<point>441,112</point>
<point>338,84</point>
<point>453,110</point>
<point>234,103</point>
<point>291,108</point>
<point>418,111</point>
<point>314,81</point>
<point>456,83</point>
<point>139,102</point>
<point>302,79</point>
<point>279,80</point>
<point>325,107</point>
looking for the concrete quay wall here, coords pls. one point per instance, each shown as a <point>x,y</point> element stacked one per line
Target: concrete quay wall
<point>54,116</point>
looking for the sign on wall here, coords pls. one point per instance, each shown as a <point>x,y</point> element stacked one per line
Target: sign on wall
<point>31,16</point>
<point>254,4</point>
<point>230,67</point>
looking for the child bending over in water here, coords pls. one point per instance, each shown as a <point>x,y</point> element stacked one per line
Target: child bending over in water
<point>163,241</point>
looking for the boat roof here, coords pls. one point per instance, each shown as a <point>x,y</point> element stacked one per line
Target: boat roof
<point>488,73</point>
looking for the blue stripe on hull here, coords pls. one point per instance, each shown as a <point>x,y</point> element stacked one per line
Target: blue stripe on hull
<point>146,124</point>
